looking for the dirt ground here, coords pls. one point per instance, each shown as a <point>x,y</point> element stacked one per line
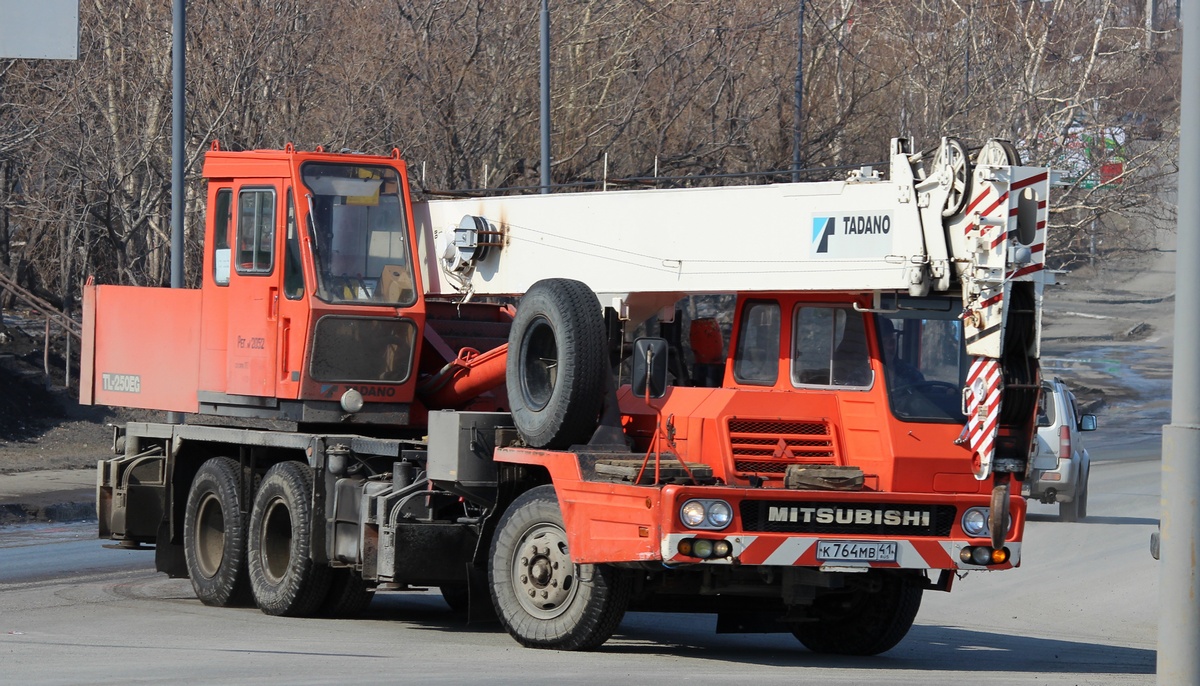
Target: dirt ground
<point>40,427</point>
<point>1108,333</point>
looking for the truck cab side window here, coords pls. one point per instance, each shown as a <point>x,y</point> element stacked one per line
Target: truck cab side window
<point>256,231</point>
<point>293,271</point>
<point>757,359</point>
<point>221,217</point>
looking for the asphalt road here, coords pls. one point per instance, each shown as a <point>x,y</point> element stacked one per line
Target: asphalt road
<point>1082,609</point>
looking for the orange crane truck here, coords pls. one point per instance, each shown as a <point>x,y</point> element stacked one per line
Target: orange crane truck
<point>797,406</point>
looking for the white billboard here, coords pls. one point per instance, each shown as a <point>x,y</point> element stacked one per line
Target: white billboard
<point>39,29</point>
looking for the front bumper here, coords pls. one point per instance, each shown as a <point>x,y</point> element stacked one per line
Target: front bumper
<point>801,551</point>
<point>773,527</point>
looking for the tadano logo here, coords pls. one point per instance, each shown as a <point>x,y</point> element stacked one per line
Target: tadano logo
<point>823,228</point>
<point>852,235</point>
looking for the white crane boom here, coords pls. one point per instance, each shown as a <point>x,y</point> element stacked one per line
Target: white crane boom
<point>955,229</point>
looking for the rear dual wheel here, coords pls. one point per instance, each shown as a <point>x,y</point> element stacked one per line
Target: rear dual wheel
<point>283,576</point>
<point>214,535</point>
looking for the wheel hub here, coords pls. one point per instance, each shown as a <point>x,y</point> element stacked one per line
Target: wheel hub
<point>543,573</point>
<point>210,535</point>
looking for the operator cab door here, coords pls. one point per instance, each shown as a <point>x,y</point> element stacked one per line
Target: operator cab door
<point>254,288</point>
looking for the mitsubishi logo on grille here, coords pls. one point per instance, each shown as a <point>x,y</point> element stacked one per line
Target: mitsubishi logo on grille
<point>782,449</point>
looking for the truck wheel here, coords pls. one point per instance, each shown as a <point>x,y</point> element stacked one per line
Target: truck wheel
<point>557,362</point>
<point>283,576</point>
<point>214,535</point>
<point>870,618</point>
<point>349,594</point>
<point>542,598</point>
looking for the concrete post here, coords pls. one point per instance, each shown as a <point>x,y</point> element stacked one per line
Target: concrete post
<point>1179,586</point>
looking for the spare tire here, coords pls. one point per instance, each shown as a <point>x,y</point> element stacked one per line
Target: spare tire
<point>557,361</point>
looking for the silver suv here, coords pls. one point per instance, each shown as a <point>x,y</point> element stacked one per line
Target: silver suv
<point>1060,462</point>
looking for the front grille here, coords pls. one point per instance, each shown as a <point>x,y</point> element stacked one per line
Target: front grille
<point>878,519</point>
<point>768,446</point>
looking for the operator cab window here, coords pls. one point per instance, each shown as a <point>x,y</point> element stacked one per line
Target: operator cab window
<point>293,272</point>
<point>925,364</point>
<point>757,359</point>
<point>830,348</point>
<point>359,234</point>
<point>256,231</point>
<point>221,221</point>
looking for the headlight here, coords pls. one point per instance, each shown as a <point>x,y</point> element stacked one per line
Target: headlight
<point>975,522</point>
<point>706,514</point>
<point>719,514</point>
<point>692,514</point>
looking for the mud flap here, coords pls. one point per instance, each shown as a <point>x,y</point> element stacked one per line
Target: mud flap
<point>168,556</point>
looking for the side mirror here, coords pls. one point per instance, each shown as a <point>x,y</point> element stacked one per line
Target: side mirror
<point>650,367</point>
<point>1087,422</point>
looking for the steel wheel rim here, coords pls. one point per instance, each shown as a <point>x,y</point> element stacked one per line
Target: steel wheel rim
<point>276,543</point>
<point>539,374</point>
<point>210,535</point>
<point>544,578</point>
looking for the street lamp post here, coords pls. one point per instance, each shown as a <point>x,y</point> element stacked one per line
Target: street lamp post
<point>545,81</point>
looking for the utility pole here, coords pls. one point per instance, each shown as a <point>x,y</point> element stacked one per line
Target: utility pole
<point>178,26</point>
<point>798,111</point>
<point>545,71</point>
<point>1179,585</point>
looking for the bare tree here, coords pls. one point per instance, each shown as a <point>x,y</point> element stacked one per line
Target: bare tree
<point>687,88</point>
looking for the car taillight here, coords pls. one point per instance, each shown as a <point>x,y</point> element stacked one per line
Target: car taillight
<point>1064,442</point>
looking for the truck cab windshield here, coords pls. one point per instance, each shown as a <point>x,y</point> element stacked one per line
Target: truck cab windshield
<point>925,364</point>
<point>359,234</point>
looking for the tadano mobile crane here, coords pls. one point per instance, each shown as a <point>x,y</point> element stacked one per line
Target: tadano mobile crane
<point>366,410</point>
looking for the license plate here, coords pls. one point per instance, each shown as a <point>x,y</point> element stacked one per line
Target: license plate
<point>857,551</point>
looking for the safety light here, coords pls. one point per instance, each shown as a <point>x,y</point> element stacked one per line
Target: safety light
<point>704,548</point>
<point>983,555</point>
